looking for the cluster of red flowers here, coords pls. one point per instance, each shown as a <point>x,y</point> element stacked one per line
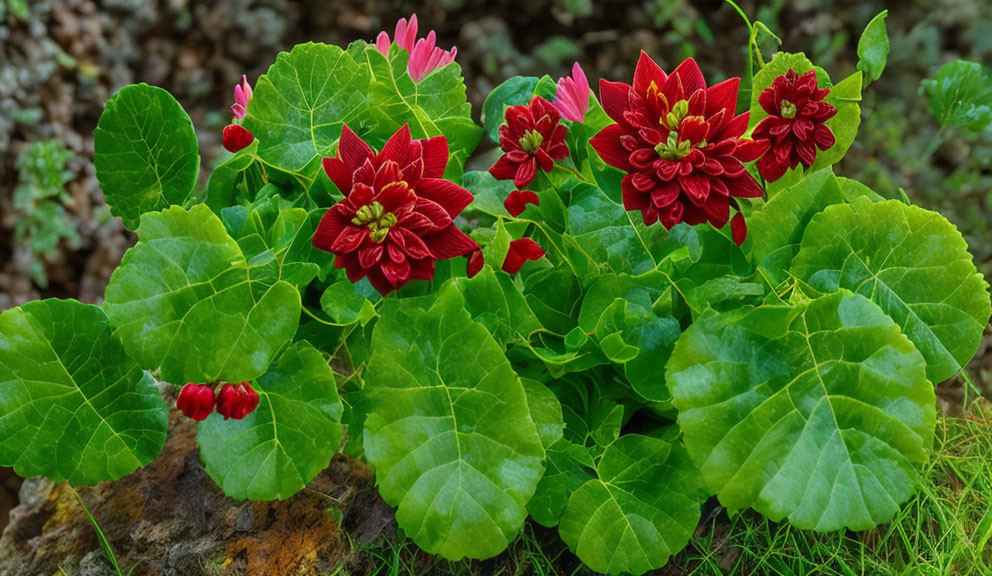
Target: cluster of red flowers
<point>681,143</point>
<point>197,401</point>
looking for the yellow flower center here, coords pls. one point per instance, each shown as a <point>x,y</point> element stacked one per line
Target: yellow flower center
<point>375,217</point>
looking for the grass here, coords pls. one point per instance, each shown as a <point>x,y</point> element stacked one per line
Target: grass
<point>944,530</point>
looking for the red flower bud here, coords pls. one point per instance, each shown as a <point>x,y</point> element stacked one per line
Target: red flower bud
<point>196,401</point>
<point>516,202</point>
<point>738,228</point>
<point>236,401</point>
<point>521,250</point>
<point>236,137</point>
<point>475,262</point>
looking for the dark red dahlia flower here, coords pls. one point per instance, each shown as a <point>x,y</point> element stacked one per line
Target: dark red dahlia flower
<point>516,202</point>
<point>680,144</point>
<point>521,250</point>
<point>397,216</point>
<point>796,123</point>
<point>533,137</point>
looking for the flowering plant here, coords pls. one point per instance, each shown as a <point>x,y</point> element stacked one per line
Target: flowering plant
<point>653,296</point>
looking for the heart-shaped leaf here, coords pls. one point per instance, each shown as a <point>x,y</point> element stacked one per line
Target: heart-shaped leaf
<point>300,104</point>
<point>73,406</point>
<point>640,509</point>
<point>185,301</point>
<point>145,152</point>
<point>913,263</point>
<point>275,451</point>
<point>449,431</point>
<point>820,412</point>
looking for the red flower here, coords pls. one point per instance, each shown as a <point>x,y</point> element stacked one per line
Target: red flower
<point>236,137</point>
<point>521,250</point>
<point>680,144</point>
<point>196,401</point>
<point>516,202</point>
<point>236,401</point>
<point>397,216</point>
<point>532,137</point>
<point>796,123</point>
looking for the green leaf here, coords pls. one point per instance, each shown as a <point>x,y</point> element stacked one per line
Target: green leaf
<point>488,191</point>
<point>913,263</point>
<point>275,451</point>
<point>435,106</point>
<point>565,473</point>
<point>820,413</point>
<point>73,406</point>
<point>545,411</point>
<point>961,95</point>
<point>777,227</point>
<point>495,301</point>
<point>300,104</point>
<point>145,152</point>
<point>185,301</point>
<point>610,235</point>
<point>515,91</point>
<point>449,432</point>
<point>342,302</point>
<point>640,509</point>
<point>873,48</point>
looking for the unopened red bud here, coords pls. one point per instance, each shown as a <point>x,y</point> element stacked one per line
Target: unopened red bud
<point>236,401</point>
<point>196,401</point>
<point>236,137</point>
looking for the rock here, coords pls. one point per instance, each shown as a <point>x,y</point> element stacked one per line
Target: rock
<point>170,519</point>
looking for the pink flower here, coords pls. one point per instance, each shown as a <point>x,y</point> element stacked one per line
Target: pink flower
<point>242,96</point>
<point>572,98</point>
<point>425,56</point>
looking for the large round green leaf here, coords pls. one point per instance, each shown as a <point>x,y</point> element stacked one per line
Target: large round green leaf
<point>449,432</point>
<point>821,412</point>
<point>73,406</point>
<point>435,106</point>
<point>299,105</point>
<point>913,263</point>
<point>145,152</point>
<point>185,301</point>
<point>275,451</point>
<point>641,509</point>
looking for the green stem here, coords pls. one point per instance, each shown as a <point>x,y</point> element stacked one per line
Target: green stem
<point>107,550</point>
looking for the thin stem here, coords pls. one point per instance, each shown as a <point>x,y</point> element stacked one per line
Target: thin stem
<point>572,171</point>
<point>107,550</point>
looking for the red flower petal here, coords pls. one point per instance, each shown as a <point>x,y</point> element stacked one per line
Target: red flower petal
<point>328,230</point>
<point>504,168</point>
<point>516,202</point>
<point>722,96</point>
<point>434,152</point>
<point>646,72</point>
<point>738,228</point>
<point>475,262</point>
<point>614,96</point>
<point>451,196</point>
<point>397,148</point>
<point>521,250</point>
<point>449,242</point>
<point>526,172</point>
<point>339,174</point>
<point>607,144</point>
<point>750,150</point>
<point>352,150</point>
